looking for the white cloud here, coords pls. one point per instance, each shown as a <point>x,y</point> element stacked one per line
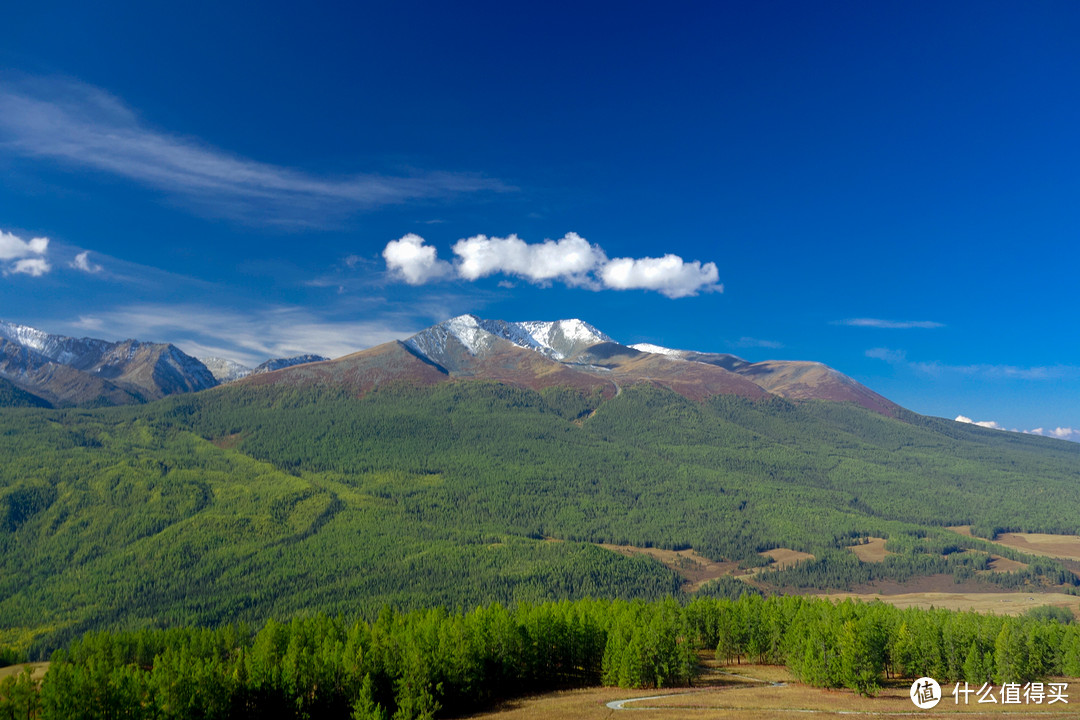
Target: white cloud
<point>13,247</point>
<point>1061,433</point>
<point>669,275</point>
<point>572,260</point>
<point>29,255</point>
<point>83,126</point>
<point>981,423</point>
<point>569,259</point>
<point>34,267</point>
<point>82,262</point>
<point>413,261</point>
<point>891,324</point>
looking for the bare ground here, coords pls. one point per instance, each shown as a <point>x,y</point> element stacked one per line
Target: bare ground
<point>758,692</point>
<point>696,569</point>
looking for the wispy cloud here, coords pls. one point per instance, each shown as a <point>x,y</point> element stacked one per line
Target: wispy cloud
<point>890,324</point>
<point>982,370</point>
<point>25,257</point>
<point>571,260</point>
<point>82,262</point>
<point>749,342</point>
<point>249,338</point>
<point>82,126</point>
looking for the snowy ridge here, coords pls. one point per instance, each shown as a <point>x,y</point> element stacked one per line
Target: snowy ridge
<point>658,350</point>
<point>58,348</point>
<point>557,339</point>
<point>279,363</point>
<point>76,370</point>
<point>563,338</point>
<point>225,370</point>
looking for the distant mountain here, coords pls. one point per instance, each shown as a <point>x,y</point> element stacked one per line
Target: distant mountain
<point>574,353</point>
<point>533,354</point>
<point>80,371</point>
<point>225,370</point>
<point>792,379</point>
<point>280,363</point>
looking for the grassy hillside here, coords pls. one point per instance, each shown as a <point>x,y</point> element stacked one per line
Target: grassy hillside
<point>244,503</point>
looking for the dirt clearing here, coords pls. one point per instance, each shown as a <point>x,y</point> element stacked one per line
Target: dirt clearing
<point>695,569</point>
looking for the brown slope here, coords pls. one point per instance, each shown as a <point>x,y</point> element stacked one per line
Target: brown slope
<point>814,381</point>
<point>515,365</point>
<point>359,372</point>
<point>694,380</point>
<point>396,362</point>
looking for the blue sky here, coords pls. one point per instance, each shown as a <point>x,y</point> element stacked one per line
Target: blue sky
<point>889,188</point>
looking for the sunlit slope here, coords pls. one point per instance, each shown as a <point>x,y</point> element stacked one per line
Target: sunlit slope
<point>249,502</point>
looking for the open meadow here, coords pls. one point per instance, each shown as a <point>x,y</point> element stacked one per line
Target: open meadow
<point>757,692</point>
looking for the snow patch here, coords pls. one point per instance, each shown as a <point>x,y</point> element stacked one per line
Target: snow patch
<point>657,349</point>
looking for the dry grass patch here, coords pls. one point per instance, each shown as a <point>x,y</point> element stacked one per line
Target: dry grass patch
<point>1003,564</point>
<point>37,670</point>
<point>1066,547</point>
<point>782,558</point>
<point>695,569</point>
<point>871,551</point>
<point>991,603</point>
<point>1055,546</point>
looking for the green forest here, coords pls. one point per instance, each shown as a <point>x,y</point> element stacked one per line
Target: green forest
<point>246,504</point>
<point>429,663</point>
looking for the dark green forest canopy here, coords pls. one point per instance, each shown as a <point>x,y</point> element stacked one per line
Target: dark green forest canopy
<point>434,663</point>
<point>246,503</point>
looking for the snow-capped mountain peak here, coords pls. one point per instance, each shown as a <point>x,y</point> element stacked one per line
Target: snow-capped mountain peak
<point>555,339</point>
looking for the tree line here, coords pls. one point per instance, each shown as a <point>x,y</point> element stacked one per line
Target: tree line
<point>429,663</point>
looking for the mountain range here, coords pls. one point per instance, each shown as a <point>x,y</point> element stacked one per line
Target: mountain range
<point>64,371</point>
<point>57,370</point>
<point>573,353</point>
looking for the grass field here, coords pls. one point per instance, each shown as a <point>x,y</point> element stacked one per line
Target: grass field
<point>871,551</point>
<point>989,602</point>
<point>1002,564</point>
<point>1066,547</point>
<point>783,558</point>
<point>37,670</point>
<point>757,692</point>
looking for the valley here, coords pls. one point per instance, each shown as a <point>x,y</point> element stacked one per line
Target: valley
<point>521,464</point>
